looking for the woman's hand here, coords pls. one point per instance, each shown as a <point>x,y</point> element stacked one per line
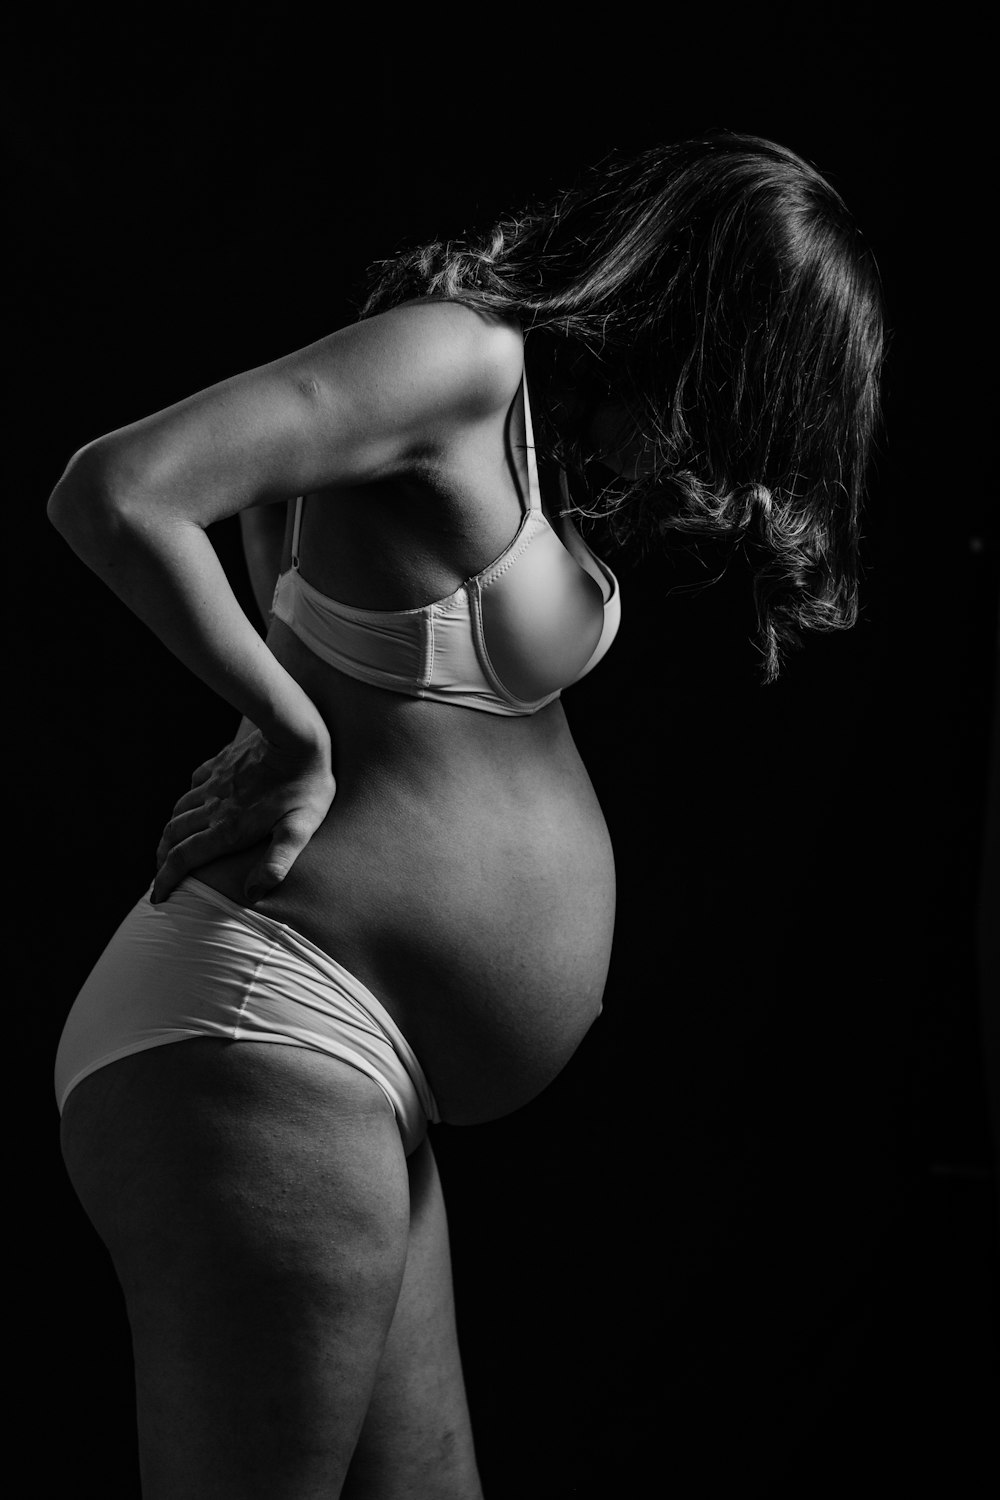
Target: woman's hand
<point>252,791</point>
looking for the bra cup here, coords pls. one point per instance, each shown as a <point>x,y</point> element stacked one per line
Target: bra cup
<point>541,620</point>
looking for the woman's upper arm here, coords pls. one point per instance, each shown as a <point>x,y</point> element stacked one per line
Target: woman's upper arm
<point>358,405</point>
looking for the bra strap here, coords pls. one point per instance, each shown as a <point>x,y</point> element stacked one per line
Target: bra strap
<point>534,494</point>
<point>296,528</point>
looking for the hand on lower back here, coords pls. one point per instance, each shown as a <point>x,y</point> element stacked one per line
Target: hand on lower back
<point>253,792</point>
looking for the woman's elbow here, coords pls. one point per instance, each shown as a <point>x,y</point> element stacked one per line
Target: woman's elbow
<point>85,493</point>
<point>75,480</point>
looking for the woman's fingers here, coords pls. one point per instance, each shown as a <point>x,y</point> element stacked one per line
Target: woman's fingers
<point>199,849</point>
<point>182,826</point>
<point>203,772</point>
<point>203,834</point>
<point>250,794</point>
<point>196,797</point>
<point>290,836</point>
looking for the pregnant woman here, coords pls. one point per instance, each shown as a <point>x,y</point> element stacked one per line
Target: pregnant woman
<point>396,880</point>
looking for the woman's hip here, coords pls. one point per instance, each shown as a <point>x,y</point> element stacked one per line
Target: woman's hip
<point>200,966</point>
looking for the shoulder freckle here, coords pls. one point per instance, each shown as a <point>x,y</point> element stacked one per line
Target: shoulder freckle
<point>308,386</point>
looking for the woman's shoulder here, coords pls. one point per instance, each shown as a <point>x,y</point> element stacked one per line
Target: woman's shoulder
<point>475,352</point>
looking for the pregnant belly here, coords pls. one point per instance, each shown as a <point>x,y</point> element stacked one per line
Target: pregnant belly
<point>486,932</point>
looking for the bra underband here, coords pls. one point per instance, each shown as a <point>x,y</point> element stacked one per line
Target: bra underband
<point>507,641</point>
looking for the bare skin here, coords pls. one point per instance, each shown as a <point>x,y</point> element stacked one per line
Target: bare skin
<point>286,1275</point>
<point>270,1237</point>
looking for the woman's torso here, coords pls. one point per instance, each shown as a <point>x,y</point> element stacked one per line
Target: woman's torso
<point>464,872</point>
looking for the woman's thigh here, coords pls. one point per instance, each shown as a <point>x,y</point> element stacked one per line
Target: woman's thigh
<point>417,1437</point>
<point>255,1202</point>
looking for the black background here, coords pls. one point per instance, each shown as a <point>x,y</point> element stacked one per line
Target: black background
<point>745,1244</point>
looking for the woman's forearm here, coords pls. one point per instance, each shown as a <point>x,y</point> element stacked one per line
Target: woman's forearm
<point>165,569</point>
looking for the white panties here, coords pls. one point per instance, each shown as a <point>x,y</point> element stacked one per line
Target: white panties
<point>199,965</point>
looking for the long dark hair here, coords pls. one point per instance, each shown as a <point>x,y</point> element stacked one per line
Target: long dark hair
<point>720,290</point>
